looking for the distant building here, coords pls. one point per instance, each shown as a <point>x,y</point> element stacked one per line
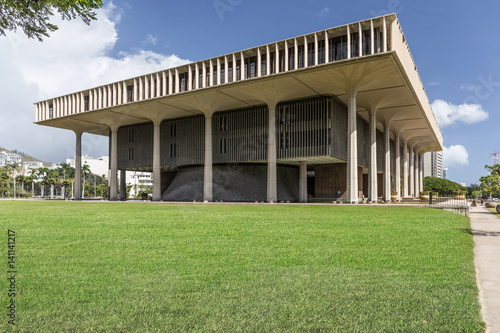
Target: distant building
<point>32,165</point>
<point>100,166</point>
<point>7,158</point>
<point>433,164</point>
<point>445,173</point>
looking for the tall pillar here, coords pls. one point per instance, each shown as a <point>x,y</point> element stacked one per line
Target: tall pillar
<point>412,173</point>
<point>113,195</point>
<point>421,173</point>
<point>352,150</point>
<point>272,186</point>
<point>303,181</point>
<point>156,162</point>
<point>405,168</point>
<point>78,166</point>
<point>417,173</point>
<point>397,181</point>
<point>123,185</point>
<point>372,169</point>
<point>387,162</point>
<point>208,194</point>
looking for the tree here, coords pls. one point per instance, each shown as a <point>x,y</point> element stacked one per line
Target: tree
<point>85,171</point>
<point>491,183</point>
<point>4,176</point>
<point>442,186</point>
<point>32,16</point>
<point>42,171</point>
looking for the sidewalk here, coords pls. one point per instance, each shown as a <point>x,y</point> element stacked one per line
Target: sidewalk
<point>486,234</point>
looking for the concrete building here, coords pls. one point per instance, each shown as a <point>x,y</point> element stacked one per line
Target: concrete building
<point>432,164</point>
<point>340,112</point>
<point>7,158</point>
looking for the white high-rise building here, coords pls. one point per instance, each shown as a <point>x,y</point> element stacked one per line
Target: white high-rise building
<point>433,164</point>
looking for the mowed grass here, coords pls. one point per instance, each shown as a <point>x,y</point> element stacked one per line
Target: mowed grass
<point>126,267</point>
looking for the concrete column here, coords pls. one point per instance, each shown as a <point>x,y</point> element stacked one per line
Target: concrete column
<point>372,38</point>
<point>360,40</point>
<point>170,82</point>
<point>315,49</point>
<point>114,94</point>
<point>141,89</point>
<point>276,58</point>
<point>411,171</point>
<point>352,150</point>
<point>119,94</point>
<point>226,70</point>
<point>156,162</point>
<point>147,89</point>
<point>164,87</point>
<point>417,173</point>
<point>197,78</point>
<point>190,79</point>
<point>387,162</point>
<point>348,42</point>
<point>421,188</point>
<point>204,75</point>
<point>303,181</point>
<point>234,67</point>
<point>372,168</point>
<point>136,92</point>
<point>398,165</point>
<point>123,185</point>
<point>242,66</point>
<point>296,54</point>
<point>124,92</point>
<point>113,195</point>
<point>287,56</point>
<point>306,51</point>
<point>218,71</point>
<point>384,33</point>
<point>272,186</point>
<point>259,62</point>
<point>78,166</point>
<point>208,176</point>
<point>268,60</point>
<point>405,168</point>
<point>327,48</point>
<point>176,85</point>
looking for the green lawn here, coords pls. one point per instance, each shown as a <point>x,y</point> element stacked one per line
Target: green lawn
<point>126,267</point>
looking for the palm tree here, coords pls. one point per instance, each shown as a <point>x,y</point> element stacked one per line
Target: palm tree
<point>53,179</point>
<point>4,176</point>
<point>85,171</point>
<point>33,174</point>
<point>42,171</point>
<point>15,167</point>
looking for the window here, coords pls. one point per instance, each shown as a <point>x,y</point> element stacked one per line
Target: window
<point>230,72</point>
<point>85,103</point>
<point>354,44</point>
<point>263,65</point>
<point>200,80</point>
<point>238,70</point>
<point>130,135</point>
<point>51,109</point>
<point>173,149</point>
<point>207,83</point>
<point>223,124</point>
<point>367,42</point>
<point>161,86</point>
<point>311,54</point>
<point>215,76</point>
<point>222,74</point>
<point>321,52</point>
<point>182,81</point>
<point>131,154</point>
<point>301,56</point>
<point>272,63</point>
<point>130,93</point>
<point>193,80</point>
<point>223,145</point>
<point>173,129</point>
<point>282,60</point>
<point>291,58</point>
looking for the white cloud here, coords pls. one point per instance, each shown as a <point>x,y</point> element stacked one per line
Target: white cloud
<point>323,12</point>
<point>448,114</point>
<point>74,58</point>
<point>468,87</point>
<point>150,39</point>
<point>455,156</point>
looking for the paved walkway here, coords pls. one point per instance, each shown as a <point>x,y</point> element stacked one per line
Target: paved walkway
<point>486,234</point>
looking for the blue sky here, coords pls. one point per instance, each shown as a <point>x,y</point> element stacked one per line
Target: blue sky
<point>455,45</point>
